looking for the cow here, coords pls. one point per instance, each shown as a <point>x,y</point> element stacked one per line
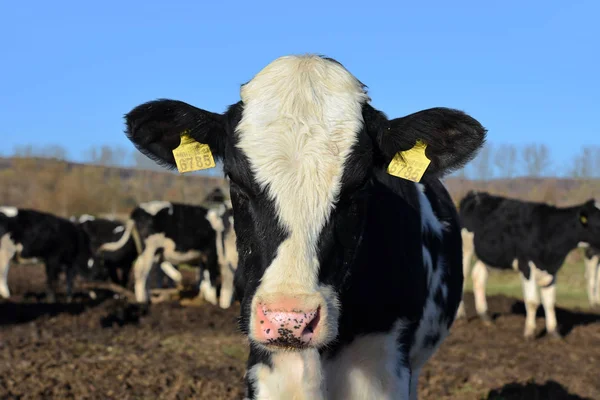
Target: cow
<point>529,237</point>
<point>349,277</point>
<point>170,233</point>
<point>61,244</point>
<point>592,274</point>
<point>102,231</point>
<point>221,219</point>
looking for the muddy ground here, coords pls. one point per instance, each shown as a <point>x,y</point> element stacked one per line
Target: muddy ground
<point>103,350</point>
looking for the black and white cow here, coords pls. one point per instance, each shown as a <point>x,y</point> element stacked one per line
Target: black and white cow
<point>532,238</point>
<point>170,233</point>
<point>221,219</point>
<point>102,231</point>
<point>350,278</point>
<point>61,244</point>
<point>592,274</point>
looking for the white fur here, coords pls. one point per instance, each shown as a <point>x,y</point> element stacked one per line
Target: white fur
<point>8,248</point>
<point>532,302</point>
<point>143,264</point>
<point>429,221</point>
<point>479,275</point>
<point>170,271</point>
<point>118,229</point>
<point>114,246</point>
<point>9,211</point>
<point>207,290</point>
<point>583,245</point>
<point>86,217</point>
<point>294,376</point>
<point>90,263</point>
<point>597,204</point>
<point>368,368</point>
<point>542,278</point>
<point>548,301</point>
<point>154,207</point>
<point>302,114</point>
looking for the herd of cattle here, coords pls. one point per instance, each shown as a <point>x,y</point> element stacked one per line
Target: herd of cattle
<point>157,233</point>
<point>349,277</point>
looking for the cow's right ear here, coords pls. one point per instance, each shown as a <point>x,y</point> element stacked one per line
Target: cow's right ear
<point>155,128</point>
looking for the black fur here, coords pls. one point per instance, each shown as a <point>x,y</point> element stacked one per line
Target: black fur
<point>101,231</point>
<point>61,244</point>
<point>507,229</point>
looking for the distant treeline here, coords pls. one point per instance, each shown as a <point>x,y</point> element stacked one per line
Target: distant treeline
<point>112,180</point>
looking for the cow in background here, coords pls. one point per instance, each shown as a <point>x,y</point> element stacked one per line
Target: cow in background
<point>350,278</point>
<point>171,233</point>
<point>529,237</point>
<point>221,219</point>
<point>59,243</point>
<point>102,231</point>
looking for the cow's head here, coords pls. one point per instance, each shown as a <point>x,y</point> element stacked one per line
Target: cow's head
<point>93,267</point>
<point>589,220</point>
<point>301,150</point>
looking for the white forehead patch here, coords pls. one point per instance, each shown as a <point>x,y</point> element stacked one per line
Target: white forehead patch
<point>90,263</point>
<point>85,218</point>
<point>153,207</point>
<point>302,114</point>
<point>118,229</point>
<point>9,211</point>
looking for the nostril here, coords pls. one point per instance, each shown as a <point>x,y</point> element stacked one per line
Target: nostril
<point>312,325</point>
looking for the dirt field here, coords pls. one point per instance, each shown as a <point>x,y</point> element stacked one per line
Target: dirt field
<point>104,350</point>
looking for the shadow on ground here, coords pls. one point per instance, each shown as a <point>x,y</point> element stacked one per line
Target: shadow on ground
<point>550,390</point>
<point>567,319</point>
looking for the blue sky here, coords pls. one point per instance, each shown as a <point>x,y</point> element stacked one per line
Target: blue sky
<point>527,70</point>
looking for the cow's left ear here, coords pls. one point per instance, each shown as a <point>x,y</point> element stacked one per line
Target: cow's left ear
<point>156,129</point>
<point>452,138</point>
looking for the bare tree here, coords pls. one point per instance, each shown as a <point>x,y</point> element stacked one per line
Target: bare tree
<point>536,159</point>
<point>482,164</point>
<point>505,160</point>
<point>50,151</point>
<point>586,165</point>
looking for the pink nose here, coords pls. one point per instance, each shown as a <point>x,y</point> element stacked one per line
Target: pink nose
<point>286,328</point>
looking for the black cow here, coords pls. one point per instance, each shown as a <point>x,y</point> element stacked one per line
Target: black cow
<point>102,231</point>
<point>61,244</point>
<point>350,277</point>
<point>592,274</point>
<point>171,233</point>
<point>532,238</point>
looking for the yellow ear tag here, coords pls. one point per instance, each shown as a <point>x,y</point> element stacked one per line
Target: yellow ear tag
<point>583,219</point>
<point>191,155</point>
<point>410,164</point>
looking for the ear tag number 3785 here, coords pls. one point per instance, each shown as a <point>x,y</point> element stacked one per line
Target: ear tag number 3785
<point>191,155</point>
<point>410,164</point>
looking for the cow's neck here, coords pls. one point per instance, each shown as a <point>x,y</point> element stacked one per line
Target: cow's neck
<point>561,231</point>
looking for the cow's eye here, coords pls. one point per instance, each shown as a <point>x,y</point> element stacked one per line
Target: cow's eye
<point>239,187</point>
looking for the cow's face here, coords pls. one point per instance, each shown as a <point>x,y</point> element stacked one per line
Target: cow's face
<point>301,150</point>
<point>589,219</point>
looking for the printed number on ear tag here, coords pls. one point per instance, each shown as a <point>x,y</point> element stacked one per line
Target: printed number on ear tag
<point>410,164</point>
<point>191,155</point>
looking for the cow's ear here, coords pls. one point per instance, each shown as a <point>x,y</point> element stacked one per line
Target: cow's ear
<point>156,129</point>
<point>451,137</point>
